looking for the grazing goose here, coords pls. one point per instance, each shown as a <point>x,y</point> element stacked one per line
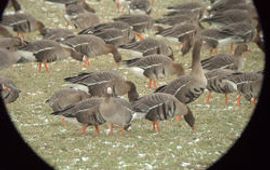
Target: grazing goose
<point>115,36</point>
<point>227,17</point>
<point>123,26</point>
<point>85,20</point>
<point>160,106</point>
<point>176,19</point>
<point>251,90</point>
<point>154,67</point>
<point>188,88</point>
<point>233,62</point>
<point>22,23</point>
<point>57,34</point>
<point>97,83</point>
<point>139,22</point>
<point>11,43</point>
<point>140,7</point>
<point>9,91</point>
<point>149,46</point>
<point>45,51</point>
<point>85,111</point>
<point>92,46</point>
<point>243,80</point>
<point>217,82</point>
<point>8,58</point>
<point>116,111</point>
<point>61,99</point>
<point>178,32</point>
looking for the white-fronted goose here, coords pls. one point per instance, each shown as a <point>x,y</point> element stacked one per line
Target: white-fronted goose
<point>86,112</point>
<point>22,23</point>
<point>115,36</point>
<point>139,22</point>
<point>217,82</point>
<point>65,97</point>
<point>85,20</point>
<point>188,88</point>
<point>160,106</point>
<point>225,61</point>
<point>8,58</point>
<point>149,46</point>
<point>11,43</point>
<point>9,91</point>
<point>227,17</point>
<point>116,111</point>
<point>56,34</point>
<point>140,7</point>
<point>45,51</point>
<point>97,83</point>
<point>251,91</point>
<point>243,80</point>
<point>92,46</point>
<point>154,67</point>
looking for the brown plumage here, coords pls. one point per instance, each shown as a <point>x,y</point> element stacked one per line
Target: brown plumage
<point>92,46</point>
<point>97,83</point>
<point>160,106</point>
<point>154,67</point>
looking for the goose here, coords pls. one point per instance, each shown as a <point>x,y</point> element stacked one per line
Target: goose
<point>176,19</point>
<point>154,67</point>
<point>85,111</point>
<point>245,82</point>
<point>8,89</point>
<point>140,7</point>
<point>45,51</point>
<point>57,34</point>
<point>178,33</point>
<point>217,82</point>
<point>233,62</point>
<point>115,36</point>
<point>97,83</point>
<point>116,111</point>
<point>223,5</point>
<point>22,23</point>
<point>139,22</point>
<point>160,106</point>
<point>187,88</point>
<point>92,46</point>
<point>8,58</point>
<point>192,6</point>
<point>227,17</point>
<point>85,20</point>
<point>251,91</point>
<point>11,43</point>
<point>149,46</point>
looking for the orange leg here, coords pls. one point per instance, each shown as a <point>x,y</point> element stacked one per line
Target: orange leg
<point>150,83</point>
<point>238,100</point>
<point>63,122</point>
<point>83,129</point>
<point>86,62</point>
<point>154,84</point>
<point>226,99</point>
<point>178,118</point>
<point>122,131</point>
<point>110,125</point>
<point>97,131</point>
<point>157,127</point>
<point>154,125</point>
<point>47,67</point>
<point>39,67</point>
<point>208,98</point>
<point>232,48</point>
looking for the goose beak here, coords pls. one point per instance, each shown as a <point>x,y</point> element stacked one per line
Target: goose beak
<point>5,88</point>
<point>138,36</point>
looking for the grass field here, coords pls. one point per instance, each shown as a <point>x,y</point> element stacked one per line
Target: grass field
<point>176,146</point>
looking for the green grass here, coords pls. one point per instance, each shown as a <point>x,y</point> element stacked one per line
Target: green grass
<point>217,126</point>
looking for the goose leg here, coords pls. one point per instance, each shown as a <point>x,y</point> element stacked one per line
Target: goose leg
<point>154,125</point>
<point>83,129</point>
<point>157,126</point>
<point>178,118</point>
<point>46,66</point>
<point>21,37</point>
<point>150,83</point>
<point>110,125</point>
<point>226,99</point>
<point>208,98</point>
<point>97,131</point>
<point>238,100</point>
<point>154,84</point>
<point>63,122</point>
<point>122,131</point>
<point>39,67</point>
<point>232,48</point>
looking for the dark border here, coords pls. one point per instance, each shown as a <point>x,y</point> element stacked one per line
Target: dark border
<point>247,153</point>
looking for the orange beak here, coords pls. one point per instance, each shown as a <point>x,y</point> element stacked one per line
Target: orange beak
<point>86,61</point>
<point>139,36</point>
<point>5,88</point>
